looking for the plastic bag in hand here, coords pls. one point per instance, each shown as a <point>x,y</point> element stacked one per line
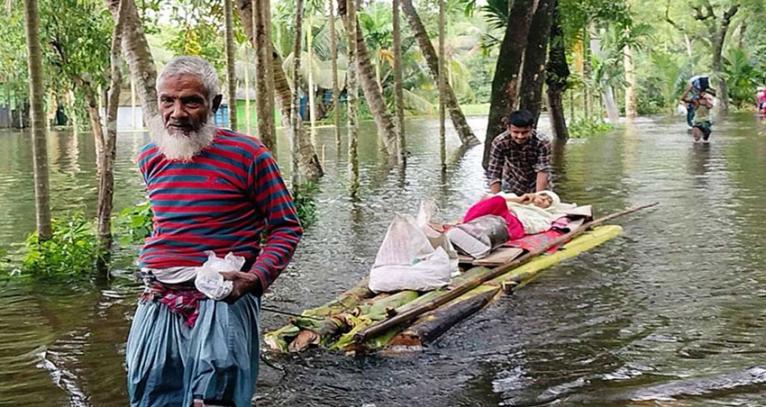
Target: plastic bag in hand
<point>209,280</point>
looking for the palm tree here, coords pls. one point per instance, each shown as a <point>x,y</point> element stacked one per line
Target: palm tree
<point>138,55</point>
<point>557,73</point>
<point>353,131</point>
<point>424,42</point>
<point>442,84</point>
<point>108,153</point>
<point>264,89</point>
<point>309,163</point>
<point>366,75</point>
<point>398,79</point>
<point>296,119</point>
<point>506,80</point>
<point>533,72</point>
<point>37,113</point>
<point>335,87</point>
<point>231,76</point>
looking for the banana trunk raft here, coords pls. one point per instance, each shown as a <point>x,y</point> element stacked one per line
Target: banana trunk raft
<point>359,321</point>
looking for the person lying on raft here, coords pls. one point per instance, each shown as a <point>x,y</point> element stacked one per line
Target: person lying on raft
<point>525,215</point>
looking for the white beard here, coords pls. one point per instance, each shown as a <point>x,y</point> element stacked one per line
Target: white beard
<point>178,146</point>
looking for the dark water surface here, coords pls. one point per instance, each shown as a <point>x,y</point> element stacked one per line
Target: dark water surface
<point>673,312</point>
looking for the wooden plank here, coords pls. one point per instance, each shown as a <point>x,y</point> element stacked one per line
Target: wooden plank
<point>500,256</point>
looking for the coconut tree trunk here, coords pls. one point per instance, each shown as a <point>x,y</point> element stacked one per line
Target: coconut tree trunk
<point>398,80</point>
<point>37,114</point>
<point>296,115</point>
<point>441,83</point>
<point>533,72</point>
<point>347,8</point>
<point>109,151</point>
<point>606,94</point>
<point>365,74</point>
<point>133,123</point>
<point>248,117</point>
<point>264,71</point>
<point>557,73</point>
<point>507,72</point>
<point>612,112</point>
<point>137,54</point>
<point>334,63</point>
<point>310,68</point>
<point>630,79</point>
<point>231,75</point>
<point>718,35</point>
<point>309,164</point>
<point>424,42</point>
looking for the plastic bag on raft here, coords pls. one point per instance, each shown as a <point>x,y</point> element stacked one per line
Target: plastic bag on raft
<point>413,256</point>
<point>209,280</point>
<point>479,237</point>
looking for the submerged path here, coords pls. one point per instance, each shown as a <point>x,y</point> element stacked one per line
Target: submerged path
<point>673,309</point>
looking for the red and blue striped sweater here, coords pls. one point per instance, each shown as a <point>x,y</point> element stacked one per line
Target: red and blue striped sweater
<point>224,200</point>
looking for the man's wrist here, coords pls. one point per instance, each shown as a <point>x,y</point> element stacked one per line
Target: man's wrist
<point>255,287</point>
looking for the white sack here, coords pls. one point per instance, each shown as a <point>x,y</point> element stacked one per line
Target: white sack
<point>413,256</point>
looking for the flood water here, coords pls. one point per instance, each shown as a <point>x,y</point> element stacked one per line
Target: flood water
<point>673,312</point>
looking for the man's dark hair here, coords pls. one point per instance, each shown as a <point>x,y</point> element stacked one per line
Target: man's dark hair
<point>520,118</point>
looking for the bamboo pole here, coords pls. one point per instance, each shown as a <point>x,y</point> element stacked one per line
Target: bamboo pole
<point>432,324</point>
<point>412,313</point>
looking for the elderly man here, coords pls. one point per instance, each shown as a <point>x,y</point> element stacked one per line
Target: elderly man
<point>519,160</point>
<point>211,190</point>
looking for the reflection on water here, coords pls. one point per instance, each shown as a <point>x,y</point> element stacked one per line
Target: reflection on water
<point>671,311</point>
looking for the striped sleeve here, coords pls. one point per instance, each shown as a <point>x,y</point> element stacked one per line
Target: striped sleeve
<point>282,230</point>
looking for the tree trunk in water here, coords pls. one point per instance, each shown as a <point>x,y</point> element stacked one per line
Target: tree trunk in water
<point>133,123</point>
<point>335,87</point>
<point>424,42</point>
<point>533,72</point>
<point>347,8</point>
<point>296,121</point>
<point>231,74</point>
<point>557,73</point>
<point>365,74</point>
<point>309,163</point>
<point>109,152</point>
<point>441,81</point>
<point>398,81</point>
<point>137,54</point>
<point>630,78</point>
<point>741,36</point>
<point>265,76</point>
<point>586,73</point>
<point>37,114</point>
<point>310,66</point>
<point>506,80</point>
<point>719,37</point>
<point>612,111</point>
<point>248,117</point>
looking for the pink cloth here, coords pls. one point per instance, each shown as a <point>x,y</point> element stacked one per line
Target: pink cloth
<point>496,206</point>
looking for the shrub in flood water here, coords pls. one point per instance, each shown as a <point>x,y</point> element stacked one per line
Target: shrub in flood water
<point>134,224</point>
<point>588,127</point>
<point>71,251</point>
<point>303,196</point>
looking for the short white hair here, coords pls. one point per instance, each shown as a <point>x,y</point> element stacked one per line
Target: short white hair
<point>191,65</point>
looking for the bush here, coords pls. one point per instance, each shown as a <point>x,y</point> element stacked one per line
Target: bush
<point>71,251</point>
<point>303,196</point>
<point>134,224</point>
<point>588,127</point>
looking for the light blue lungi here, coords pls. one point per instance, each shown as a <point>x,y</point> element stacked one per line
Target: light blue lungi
<point>171,364</point>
